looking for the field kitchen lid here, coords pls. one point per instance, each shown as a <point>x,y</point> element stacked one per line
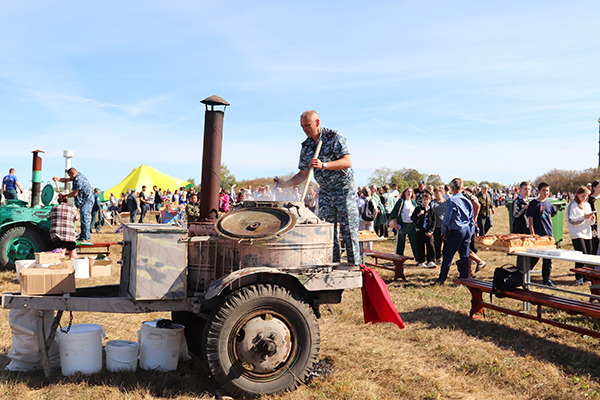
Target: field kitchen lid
<point>255,223</point>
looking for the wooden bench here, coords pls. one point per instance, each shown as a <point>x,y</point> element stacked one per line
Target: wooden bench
<point>593,276</point>
<point>94,246</point>
<point>395,258</point>
<point>571,306</point>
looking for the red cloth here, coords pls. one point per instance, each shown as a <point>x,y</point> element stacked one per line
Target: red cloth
<point>377,304</point>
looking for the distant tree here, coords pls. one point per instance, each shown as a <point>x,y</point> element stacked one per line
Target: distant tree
<point>434,180</point>
<point>227,178</point>
<point>561,180</point>
<point>381,176</point>
<point>192,181</point>
<point>470,183</point>
<point>493,185</point>
<point>410,174</point>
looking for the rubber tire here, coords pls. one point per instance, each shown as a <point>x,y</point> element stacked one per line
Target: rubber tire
<point>39,244</point>
<point>194,329</point>
<point>237,305</point>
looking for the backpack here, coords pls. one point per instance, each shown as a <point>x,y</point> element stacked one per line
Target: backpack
<point>506,277</point>
<point>368,213</point>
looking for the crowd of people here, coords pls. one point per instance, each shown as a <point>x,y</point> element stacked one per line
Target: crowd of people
<point>141,202</point>
<point>438,221</point>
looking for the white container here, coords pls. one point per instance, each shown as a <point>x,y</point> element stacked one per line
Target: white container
<point>82,267</point>
<point>21,264</point>
<point>159,347</point>
<point>80,349</point>
<point>121,355</point>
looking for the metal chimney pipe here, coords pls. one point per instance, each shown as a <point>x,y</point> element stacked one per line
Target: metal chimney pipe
<point>36,179</point>
<point>211,158</point>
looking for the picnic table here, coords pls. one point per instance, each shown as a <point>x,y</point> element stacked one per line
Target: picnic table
<point>528,297</point>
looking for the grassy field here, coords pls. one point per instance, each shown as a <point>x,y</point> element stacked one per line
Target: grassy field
<point>441,354</point>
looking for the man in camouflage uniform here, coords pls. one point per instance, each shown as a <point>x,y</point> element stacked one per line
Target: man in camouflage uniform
<point>84,200</point>
<point>334,174</point>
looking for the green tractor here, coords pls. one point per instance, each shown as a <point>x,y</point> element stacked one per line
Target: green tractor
<point>24,230</point>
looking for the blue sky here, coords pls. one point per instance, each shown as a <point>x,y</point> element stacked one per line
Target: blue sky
<point>499,91</point>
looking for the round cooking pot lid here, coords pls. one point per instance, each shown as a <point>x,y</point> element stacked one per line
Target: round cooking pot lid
<point>47,194</point>
<point>255,223</point>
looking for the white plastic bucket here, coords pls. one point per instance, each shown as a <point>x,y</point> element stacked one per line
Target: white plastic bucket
<point>80,349</point>
<point>159,347</point>
<point>121,355</point>
<point>21,264</point>
<point>82,267</point>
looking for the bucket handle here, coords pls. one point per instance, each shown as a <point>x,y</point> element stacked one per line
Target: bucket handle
<point>121,361</point>
<point>155,336</point>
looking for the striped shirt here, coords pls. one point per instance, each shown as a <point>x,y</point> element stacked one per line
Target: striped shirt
<point>63,219</point>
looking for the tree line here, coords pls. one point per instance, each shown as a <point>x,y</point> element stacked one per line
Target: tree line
<point>410,177</point>
<point>562,180</point>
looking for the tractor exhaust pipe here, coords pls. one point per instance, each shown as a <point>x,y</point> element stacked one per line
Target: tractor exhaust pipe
<point>36,179</point>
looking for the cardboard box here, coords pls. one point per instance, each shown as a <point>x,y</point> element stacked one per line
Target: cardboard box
<point>99,267</point>
<point>55,279</point>
<point>47,258</point>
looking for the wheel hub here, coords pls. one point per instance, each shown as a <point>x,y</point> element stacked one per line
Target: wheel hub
<point>263,343</point>
<point>20,249</point>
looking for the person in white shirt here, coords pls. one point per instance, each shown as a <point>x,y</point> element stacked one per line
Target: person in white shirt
<point>400,218</point>
<point>580,218</point>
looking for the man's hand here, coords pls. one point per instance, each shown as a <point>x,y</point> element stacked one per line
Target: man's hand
<point>428,234</point>
<point>444,236</point>
<point>315,163</point>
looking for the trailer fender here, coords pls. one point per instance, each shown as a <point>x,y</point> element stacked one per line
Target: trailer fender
<point>217,286</point>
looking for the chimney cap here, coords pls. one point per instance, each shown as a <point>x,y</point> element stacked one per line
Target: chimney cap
<point>214,100</point>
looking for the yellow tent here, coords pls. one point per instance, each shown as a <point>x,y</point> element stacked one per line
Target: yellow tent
<point>144,175</point>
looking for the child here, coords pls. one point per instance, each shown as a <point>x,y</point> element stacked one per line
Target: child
<point>539,214</point>
<point>520,205</point>
<point>424,219</point>
<point>519,214</point>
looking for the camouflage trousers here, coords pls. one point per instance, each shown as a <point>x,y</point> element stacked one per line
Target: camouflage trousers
<point>339,206</point>
<point>85,214</point>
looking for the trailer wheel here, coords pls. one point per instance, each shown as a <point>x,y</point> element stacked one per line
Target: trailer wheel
<point>263,339</point>
<point>19,243</point>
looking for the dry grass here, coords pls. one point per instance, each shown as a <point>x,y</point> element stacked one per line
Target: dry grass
<point>441,354</point>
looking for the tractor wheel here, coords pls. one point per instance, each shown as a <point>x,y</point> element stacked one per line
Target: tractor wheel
<point>263,339</point>
<point>19,243</point>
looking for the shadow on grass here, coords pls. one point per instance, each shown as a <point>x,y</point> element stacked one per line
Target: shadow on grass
<point>190,378</point>
<point>554,348</point>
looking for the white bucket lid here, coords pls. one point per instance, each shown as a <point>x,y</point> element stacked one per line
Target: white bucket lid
<point>81,328</point>
<point>122,344</point>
